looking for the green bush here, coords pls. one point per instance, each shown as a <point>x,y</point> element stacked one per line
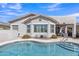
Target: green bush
<point>54,37</point>
<point>26,36</point>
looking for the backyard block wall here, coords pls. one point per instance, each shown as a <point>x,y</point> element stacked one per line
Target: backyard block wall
<point>6,35</point>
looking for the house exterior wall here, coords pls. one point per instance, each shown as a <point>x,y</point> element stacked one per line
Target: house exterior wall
<point>61,19</point>
<point>43,21</point>
<point>23,29</point>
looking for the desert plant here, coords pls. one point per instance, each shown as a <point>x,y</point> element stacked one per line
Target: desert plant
<point>26,36</point>
<point>53,36</point>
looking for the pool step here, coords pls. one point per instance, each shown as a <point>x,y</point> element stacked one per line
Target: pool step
<point>69,46</point>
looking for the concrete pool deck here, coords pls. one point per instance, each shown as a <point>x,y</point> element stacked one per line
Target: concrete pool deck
<point>3,42</point>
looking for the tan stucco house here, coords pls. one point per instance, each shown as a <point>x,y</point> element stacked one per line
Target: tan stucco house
<point>37,25</point>
<point>4,26</point>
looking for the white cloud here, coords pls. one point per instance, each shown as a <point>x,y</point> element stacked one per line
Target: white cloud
<point>11,13</point>
<point>1,16</point>
<point>8,13</point>
<point>53,7</point>
<point>15,6</point>
<point>3,5</point>
<point>74,14</point>
<point>11,9</point>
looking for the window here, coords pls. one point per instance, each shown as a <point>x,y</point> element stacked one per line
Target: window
<point>28,29</point>
<point>15,27</point>
<point>40,28</point>
<point>52,28</point>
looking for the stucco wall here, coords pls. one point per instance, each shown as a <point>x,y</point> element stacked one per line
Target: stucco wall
<point>23,29</point>
<point>43,21</point>
<point>6,35</point>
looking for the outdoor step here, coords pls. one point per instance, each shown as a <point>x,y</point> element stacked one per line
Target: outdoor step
<point>69,47</point>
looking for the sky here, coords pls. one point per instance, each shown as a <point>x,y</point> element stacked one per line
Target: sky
<point>10,11</point>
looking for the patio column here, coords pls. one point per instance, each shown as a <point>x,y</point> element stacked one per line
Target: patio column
<point>49,30</point>
<point>66,29</point>
<point>32,29</point>
<point>55,29</point>
<point>74,31</point>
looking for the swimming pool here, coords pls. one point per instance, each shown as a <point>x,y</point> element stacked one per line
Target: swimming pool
<point>31,48</point>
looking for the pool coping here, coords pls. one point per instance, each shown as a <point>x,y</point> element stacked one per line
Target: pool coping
<point>38,40</point>
<point>19,40</point>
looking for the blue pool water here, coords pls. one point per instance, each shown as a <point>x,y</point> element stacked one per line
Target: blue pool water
<point>31,48</point>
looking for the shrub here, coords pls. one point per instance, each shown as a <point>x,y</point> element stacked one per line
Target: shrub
<point>53,36</point>
<point>26,36</point>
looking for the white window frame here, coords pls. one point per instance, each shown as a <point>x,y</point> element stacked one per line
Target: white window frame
<point>40,27</point>
<point>16,27</point>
